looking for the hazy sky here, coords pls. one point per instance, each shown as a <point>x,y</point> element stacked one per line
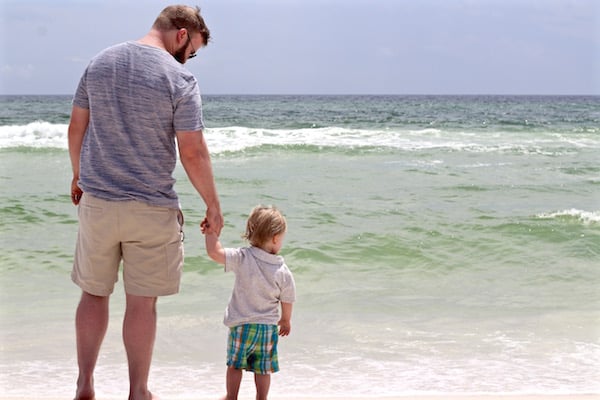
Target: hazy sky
<point>324,46</point>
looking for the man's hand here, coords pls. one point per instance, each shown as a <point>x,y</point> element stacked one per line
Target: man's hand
<point>76,192</point>
<point>213,222</point>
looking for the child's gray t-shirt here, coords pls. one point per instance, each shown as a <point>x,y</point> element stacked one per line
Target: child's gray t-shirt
<point>139,96</point>
<point>262,281</point>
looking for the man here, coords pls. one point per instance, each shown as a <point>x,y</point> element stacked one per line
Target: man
<point>132,101</point>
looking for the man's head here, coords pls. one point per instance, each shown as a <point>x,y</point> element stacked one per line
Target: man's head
<point>185,28</point>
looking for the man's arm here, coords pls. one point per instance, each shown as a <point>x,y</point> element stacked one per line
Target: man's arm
<point>194,155</point>
<point>80,117</point>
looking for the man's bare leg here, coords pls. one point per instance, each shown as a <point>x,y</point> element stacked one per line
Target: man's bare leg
<point>262,382</point>
<point>139,332</point>
<point>91,321</point>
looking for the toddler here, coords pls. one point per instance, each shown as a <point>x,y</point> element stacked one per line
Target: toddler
<point>262,282</point>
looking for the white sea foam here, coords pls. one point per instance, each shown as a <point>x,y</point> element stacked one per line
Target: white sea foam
<point>37,134</point>
<point>587,217</point>
<point>508,370</point>
<point>42,134</point>
<point>241,138</point>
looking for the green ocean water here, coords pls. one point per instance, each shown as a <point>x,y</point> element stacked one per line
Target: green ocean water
<point>439,245</point>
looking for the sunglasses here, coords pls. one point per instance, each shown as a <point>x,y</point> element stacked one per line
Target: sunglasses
<point>189,43</point>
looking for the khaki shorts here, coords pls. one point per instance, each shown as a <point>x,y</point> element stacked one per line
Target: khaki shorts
<point>148,239</point>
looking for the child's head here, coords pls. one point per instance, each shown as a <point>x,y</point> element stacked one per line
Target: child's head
<point>264,224</point>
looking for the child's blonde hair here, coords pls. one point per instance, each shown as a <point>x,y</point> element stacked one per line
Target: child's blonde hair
<point>263,223</point>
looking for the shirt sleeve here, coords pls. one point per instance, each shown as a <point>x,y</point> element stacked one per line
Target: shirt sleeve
<point>233,259</point>
<point>188,108</point>
<point>81,97</point>
<point>288,286</point>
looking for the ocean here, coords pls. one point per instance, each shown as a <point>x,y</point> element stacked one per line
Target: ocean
<point>440,245</point>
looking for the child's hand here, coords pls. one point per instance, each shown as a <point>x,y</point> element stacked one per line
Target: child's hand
<point>284,327</point>
<point>204,225</point>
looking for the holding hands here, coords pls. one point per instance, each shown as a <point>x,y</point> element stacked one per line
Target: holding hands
<point>212,223</point>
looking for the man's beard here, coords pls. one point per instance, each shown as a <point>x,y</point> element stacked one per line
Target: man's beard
<point>179,55</point>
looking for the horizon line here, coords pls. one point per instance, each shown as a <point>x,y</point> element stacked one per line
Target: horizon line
<point>355,94</point>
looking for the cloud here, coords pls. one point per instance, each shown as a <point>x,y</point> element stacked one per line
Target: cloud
<point>386,52</point>
<point>323,46</point>
<point>22,71</point>
<point>77,59</point>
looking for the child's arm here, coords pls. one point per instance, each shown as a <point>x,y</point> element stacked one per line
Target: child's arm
<point>285,324</point>
<point>213,246</point>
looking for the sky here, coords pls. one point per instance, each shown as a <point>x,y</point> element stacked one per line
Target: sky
<point>545,47</point>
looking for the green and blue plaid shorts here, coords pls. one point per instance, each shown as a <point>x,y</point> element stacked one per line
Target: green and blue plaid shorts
<point>253,347</point>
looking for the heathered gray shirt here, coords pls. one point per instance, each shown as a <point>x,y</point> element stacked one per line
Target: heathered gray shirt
<point>138,97</point>
<point>262,281</point>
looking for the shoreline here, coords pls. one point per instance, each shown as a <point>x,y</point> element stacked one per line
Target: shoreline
<point>399,397</point>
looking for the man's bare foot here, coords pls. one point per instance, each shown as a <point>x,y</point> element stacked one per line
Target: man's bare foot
<point>85,398</point>
<point>85,395</point>
<point>85,391</point>
<point>149,396</point>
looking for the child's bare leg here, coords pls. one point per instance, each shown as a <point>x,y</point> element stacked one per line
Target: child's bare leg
<point>234,380</point>
<point>263,383</point>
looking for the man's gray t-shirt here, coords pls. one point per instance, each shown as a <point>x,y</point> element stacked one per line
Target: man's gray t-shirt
<point>262,281</point>
<point>139,96</point>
